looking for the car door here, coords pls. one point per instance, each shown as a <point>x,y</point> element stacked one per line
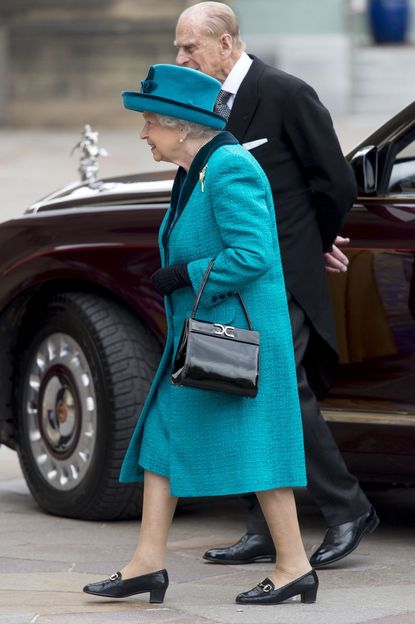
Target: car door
<point>374,304</point>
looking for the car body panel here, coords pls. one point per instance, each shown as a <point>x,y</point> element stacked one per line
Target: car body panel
<point>371,408</point>
<point>84,246</point>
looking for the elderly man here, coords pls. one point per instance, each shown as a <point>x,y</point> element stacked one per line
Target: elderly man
<point>288,130</point>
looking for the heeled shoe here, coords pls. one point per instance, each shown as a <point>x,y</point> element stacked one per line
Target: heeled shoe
<point>265,593</point>
<point>114,587</point>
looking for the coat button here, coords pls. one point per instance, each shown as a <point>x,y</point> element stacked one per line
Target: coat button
<point>230,294</point>
<point>221,296</point>
<point>214,298</point>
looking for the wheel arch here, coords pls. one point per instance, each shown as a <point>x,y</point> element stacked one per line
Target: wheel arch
<point>14,322</point>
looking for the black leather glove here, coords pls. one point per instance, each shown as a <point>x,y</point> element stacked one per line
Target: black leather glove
<point>171,278</point>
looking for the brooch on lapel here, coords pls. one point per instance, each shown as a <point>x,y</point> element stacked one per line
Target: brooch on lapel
<point>202,175</point>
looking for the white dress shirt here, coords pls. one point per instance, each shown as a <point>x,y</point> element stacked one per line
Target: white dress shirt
<point>234,79</point>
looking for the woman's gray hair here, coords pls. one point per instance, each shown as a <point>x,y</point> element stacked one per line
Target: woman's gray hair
<point>194,130</point>
<point>216,19</point>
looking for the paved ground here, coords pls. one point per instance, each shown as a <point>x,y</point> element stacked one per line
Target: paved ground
<point>45,561</point>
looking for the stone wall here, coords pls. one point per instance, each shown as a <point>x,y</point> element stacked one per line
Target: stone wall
<point>65,63</point>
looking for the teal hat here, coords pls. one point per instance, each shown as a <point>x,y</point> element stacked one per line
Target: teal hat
<point>177,92</point>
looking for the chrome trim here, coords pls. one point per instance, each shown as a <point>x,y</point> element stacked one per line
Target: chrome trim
<point>62,210</point>
<point>399,419</point>
<point>394,198</point>
<point>61,415</point>
<point>105,191</point>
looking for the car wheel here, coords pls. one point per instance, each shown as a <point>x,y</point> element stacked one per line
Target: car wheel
<point>85,368</point>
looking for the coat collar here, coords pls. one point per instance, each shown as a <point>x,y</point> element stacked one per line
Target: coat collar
<point>246,100</point>
<point>184,184</point>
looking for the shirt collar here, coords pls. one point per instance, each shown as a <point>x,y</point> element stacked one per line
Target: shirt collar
<point>237,74</point>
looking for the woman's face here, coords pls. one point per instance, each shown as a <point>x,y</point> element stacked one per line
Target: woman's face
<point>164,141</point>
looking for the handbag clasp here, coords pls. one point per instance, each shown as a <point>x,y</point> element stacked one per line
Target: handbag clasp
<point>224,329</point>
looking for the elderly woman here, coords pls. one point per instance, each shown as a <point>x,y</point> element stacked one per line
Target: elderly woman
<point>193,442</point>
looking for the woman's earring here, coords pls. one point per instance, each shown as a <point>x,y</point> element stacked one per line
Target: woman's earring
<point>181,140</point>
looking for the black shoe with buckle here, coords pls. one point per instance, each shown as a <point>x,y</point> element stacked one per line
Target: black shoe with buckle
<point>114,587</point>
<point>265,593</point>
<point>343,539</point>
<point>251,548</point>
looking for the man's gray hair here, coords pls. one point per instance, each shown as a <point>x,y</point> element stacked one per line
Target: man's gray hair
<point>217,19</point>
<point>194,130</point>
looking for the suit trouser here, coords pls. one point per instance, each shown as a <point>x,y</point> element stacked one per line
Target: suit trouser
<point>336,492</point>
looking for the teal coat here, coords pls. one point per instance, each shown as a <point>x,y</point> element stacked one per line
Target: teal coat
<point>219,443</point>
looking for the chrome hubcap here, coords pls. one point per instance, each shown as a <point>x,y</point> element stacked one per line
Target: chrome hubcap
<point>61,411</point>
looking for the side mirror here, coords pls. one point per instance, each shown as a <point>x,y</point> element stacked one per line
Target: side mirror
<point>365,166</point>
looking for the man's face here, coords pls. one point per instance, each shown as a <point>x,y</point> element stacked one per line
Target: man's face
<point>198,50</point>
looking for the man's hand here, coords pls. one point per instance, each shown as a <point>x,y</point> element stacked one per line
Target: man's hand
<point>336,261</point>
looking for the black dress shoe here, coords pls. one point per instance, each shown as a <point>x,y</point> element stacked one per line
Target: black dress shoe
<point>114,587</point>
<point>265,593</point>
<point>342,539</point>
<point>251,548</point>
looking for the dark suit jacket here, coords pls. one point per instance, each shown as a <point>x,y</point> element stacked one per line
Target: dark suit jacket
<point>313,188</point>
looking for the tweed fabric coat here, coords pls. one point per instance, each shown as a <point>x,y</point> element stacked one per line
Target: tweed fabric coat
<point>221,444</point>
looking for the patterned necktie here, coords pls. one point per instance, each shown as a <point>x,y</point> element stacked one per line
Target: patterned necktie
<point>221,108</point>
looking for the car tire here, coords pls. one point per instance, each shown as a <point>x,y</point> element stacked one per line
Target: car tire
<point>85,367</point>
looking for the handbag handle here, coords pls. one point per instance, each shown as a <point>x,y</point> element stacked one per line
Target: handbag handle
<point>200,293</point>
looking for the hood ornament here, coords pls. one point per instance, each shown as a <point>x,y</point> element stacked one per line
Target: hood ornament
<point>90,152</point>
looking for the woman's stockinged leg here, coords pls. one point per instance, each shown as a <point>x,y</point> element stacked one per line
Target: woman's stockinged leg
<point>292,575</point>
<point>280,512</point>
<point>158,512</point>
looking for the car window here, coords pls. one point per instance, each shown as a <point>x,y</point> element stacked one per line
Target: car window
<point>402,178</point>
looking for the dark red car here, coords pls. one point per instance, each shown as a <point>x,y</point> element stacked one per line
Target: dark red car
<point>81,329</point>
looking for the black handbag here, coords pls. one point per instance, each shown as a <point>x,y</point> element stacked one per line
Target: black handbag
<point>217,357</point>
